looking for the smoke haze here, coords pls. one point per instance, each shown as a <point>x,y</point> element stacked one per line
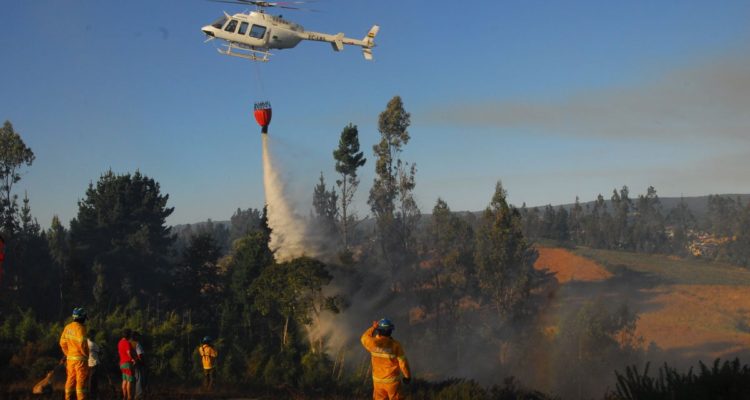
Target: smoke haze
<point>709,99</point>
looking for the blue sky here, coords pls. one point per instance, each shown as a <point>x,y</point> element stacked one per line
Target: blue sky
<point>556,99</point>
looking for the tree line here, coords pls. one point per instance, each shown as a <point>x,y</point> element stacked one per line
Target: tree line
<point>641,224</point>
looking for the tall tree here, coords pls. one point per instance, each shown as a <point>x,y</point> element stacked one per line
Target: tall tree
<point>31,281</point>
<point>597,223</point>
<point>738,250</point>
<point>59,248</point>
<point>293,291</point>
<point>504,259</point>
<point>621,230</point>
<point>243,222</point>
<point>576,219</point>
<point>549,220</point>
<point>722,215</point>
<point>683,222</point>
<point>196,275</point>
<point>649,230</point>
<point>562,225</point>
<point>13,155</point>
<point>121,226</point>
<point>348,160</point>
<point>394,181</point>
<point>450,273</point>
<point>325,206</point>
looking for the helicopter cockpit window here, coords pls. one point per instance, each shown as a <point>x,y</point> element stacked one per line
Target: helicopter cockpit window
<point>231,26</point>
<point>243,28</point>
<point>258,31</point>
<point>219,22</point>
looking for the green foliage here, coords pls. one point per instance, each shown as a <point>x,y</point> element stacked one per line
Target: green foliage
<point>316,372</point>
<point>293,292</point>
<point>243,222</point>
<point>121,225</point>
<point>504,259</point>
<point>26,345</point>
<point>590,340</point>
<point>283,368</point>
<point>348,160</point>
<point>449,274</point>
<point>325,207</point>
<point>391,197</point>
<point>738,250</point>
<point>683,222</point>
<point>196,276</point>
<point>13,155</point>
<point>728,381</point>
<point>722,211</point>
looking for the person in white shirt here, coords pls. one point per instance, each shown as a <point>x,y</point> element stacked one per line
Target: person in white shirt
<point>140,366</point>
<point>94,354</point>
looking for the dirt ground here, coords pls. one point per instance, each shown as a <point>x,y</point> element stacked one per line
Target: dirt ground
<point>687,321</point>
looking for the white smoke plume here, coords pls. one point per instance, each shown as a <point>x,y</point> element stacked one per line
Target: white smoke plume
<point>290,232</point>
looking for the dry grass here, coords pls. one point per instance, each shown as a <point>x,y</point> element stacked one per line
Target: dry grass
<point>570,267</point>
<point>691,308</point>
<point>698,319</point>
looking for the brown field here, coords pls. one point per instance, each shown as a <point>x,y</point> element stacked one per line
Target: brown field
<point>698,319</point>
<point>570,267</point>
<point>690,310</point>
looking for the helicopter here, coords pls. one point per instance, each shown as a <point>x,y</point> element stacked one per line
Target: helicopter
<point>253,34</point>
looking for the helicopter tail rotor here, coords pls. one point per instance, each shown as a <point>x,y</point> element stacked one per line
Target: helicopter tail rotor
<point>369,42</point>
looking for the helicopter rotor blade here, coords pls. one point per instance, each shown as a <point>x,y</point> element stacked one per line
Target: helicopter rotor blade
<point>299,8</point>
<point>258,3</point>
<point>240,2</point>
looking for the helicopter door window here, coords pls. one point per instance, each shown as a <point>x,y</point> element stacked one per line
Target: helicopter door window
<point>258,31</point>
<point>243,28</point>
<point>231,26</point>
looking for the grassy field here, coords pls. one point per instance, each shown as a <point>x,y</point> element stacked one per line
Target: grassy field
<point>671,269</point>
<point>690,309</point>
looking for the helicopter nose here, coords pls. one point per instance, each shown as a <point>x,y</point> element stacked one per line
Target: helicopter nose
<point>208,31</point>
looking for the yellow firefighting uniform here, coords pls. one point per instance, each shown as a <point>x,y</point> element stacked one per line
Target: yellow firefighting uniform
<point>388,364</point>
<point>208,355</point>
<point>76,349</point>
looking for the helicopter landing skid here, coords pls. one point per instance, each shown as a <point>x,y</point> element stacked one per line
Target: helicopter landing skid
<point>243,52</point>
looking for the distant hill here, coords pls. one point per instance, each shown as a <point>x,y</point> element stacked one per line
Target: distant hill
<point>698,204</point>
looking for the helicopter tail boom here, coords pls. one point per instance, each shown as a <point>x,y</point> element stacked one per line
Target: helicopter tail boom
<point>339,40</point>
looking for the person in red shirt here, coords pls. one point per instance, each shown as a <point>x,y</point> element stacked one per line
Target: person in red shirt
<point>126,364</point>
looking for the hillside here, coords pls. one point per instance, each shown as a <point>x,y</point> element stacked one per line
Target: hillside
<point>688,309</point>
<point>697,204</point>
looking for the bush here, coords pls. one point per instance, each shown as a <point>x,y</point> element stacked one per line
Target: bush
<point>727,381</point>
<point>316,372</point>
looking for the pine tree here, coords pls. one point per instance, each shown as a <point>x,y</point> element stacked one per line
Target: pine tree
<point>121,225</point>
<point>649,231</point>
<point>13,155</point>
<point>576,219</point>
<point>683,222</point>
<point>394,181</point>
<point>325,206</point>
<point>348,160</point>
<point>449,255</point>
<point>504,259</point>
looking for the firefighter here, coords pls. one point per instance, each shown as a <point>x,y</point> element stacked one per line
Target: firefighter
<point>208,359</point>
<point>75,347</point>
<point>389,363</point>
